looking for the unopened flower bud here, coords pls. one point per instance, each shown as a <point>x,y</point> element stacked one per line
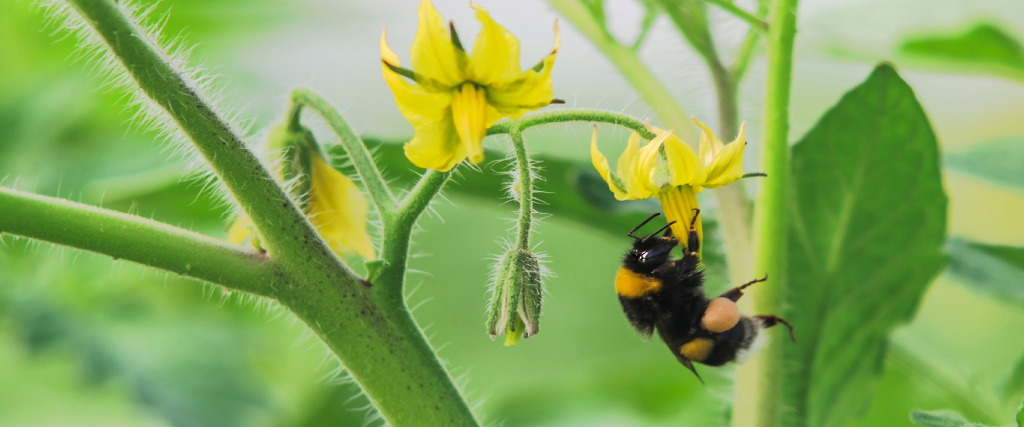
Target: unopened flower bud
<point>514,309</point>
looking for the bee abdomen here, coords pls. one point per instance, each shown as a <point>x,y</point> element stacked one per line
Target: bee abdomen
<point>736,344</point>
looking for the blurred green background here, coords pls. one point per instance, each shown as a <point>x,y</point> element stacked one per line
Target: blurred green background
<point>89,341</point>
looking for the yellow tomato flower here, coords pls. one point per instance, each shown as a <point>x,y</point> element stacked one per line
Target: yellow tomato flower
<point>667,168</point>
<point>335,207</point>
<point>452,96</point>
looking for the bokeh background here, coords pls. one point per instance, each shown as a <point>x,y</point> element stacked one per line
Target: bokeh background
<point>89,341</point>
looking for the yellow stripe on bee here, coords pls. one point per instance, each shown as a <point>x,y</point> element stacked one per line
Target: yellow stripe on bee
<point>633,285</point>
<point>697,349</point>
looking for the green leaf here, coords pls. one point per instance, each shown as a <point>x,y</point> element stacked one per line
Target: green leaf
<point>1015,383</point>
<point>997,161</point>
<point>1020,415</point>
<point>944,418</point>
<point>867,227</point>
<point>983,48</point>
<point>992,269</point>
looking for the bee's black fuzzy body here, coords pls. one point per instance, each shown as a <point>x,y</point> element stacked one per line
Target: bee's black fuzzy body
<point>658,293</point>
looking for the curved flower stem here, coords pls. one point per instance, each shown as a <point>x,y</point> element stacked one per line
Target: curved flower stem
<point>525,169</point>
<point>389,277</point>
<point>755,22</point>
<point>746,50</point>
<point>759,389</point>
<point>136,239</point>
<point>354,147</point>
<point>572,115</point>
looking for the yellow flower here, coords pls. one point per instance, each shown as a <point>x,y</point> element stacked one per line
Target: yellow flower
<point>452,96</point>
<point>335,207</point>
<point>667,168</point>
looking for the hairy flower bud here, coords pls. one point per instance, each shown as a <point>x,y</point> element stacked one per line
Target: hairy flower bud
<point>514,309</point>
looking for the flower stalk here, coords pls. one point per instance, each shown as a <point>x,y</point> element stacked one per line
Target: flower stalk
<point>516,295</point>
<point>759,388</point>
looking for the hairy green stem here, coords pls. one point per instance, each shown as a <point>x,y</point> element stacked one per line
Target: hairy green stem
<point>572,115</point>
<point>136,239</point>
<point>525,170</point>
<point>643,81</point>
<point>354,147</point>
<point>272,212</point>
<point>398,226</point>
<point>377,342</point>
<point>759,389</point>
<point>755,21</point>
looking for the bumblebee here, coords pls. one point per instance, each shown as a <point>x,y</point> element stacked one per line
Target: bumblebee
<point>658,293</point>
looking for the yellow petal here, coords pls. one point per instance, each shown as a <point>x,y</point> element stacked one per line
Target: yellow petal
<point>436,145</point>
<point>682,162</point>
<point>651,171</point>
<point>531,90</point>
<point>727,165</point>
<point>470,114</point>
<point>601,164</point>
<point>626,159</point>
<point>678,204</point>
<point>419,105</point>
<point>433,54</point>
<point>495,56</point>
<point>338,210</point>
<point>710,145</point>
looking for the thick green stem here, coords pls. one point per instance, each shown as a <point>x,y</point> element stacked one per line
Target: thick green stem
<point>378,343</point>
<point>136,239</point>
<point>629,65</point>
<point>759,389</point>
<point>354,147</point>
<point>270,209</point>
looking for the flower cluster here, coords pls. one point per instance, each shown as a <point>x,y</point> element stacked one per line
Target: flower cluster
<point>452,96</point>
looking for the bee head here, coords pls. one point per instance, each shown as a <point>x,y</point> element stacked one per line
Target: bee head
<point>650,251</point>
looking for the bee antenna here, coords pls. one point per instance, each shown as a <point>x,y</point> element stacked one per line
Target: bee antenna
<point>630,234</point>
<point>659,231</point>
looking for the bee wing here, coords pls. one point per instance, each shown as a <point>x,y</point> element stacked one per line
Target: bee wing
<point>689,365</point>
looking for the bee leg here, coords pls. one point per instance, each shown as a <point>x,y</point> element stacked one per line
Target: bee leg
<point>769,320</point>
<point>735,293</point>
<point>692,239</point>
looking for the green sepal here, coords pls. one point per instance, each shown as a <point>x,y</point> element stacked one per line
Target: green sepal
<point>374,269</point>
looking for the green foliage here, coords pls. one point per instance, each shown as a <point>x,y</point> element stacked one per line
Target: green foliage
<point>993,269</point>
<point>948,418</point>
<point>188,369</point>
<point>985,48</point>
<point>1015,383</point>
<point>997,161</point>
<point>867,227</point>
<point>945,418</point>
